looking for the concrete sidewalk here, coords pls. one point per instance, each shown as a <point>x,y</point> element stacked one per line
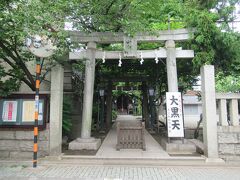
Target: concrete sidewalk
<point>116,172</point>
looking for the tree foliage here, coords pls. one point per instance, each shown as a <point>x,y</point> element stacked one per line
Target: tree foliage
<point>229,83</point>
<point>213,41</point>
<point>20,19</point>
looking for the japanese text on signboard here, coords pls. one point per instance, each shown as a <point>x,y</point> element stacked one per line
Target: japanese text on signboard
<point>174,114</point>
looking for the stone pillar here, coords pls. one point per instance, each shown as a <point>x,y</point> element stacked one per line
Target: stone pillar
<point>222,105</point>
<point>233,108</point>
<point>86,141</point>
<point>209,113</point>
<point>56,105</point>
<point>171,66</point>
<point>88,91</point>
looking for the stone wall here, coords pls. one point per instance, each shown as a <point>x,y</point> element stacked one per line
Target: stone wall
<point>16,144</point>
<point>229,142</point>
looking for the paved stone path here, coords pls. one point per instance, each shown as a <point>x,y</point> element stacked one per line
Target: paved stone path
<point>94,172</point>
<point>108,147</point>
<point>128,118</point>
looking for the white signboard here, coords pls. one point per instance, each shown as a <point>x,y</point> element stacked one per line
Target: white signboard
<point>9,111</point>
<point>29,110</point>
<point>174,114</point>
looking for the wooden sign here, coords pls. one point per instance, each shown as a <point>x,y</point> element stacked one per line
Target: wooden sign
<point>174,114</point>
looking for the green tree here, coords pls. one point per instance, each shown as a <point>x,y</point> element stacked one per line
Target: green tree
<point>229,83</point>
<point>212,43</point>
<point>20,19</point>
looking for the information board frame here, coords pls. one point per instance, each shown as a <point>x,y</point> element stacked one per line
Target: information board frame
<point>20,123</point>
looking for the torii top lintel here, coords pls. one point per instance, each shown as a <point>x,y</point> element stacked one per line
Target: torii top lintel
<point>110,37</point>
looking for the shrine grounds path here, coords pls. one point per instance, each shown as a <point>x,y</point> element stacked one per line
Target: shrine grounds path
<point>115,172</point>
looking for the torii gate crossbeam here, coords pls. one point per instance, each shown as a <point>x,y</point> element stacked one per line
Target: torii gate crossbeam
<point>146,54</point>
<point>110,37</point>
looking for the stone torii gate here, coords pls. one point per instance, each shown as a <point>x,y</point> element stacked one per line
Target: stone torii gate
<point>170,52</point>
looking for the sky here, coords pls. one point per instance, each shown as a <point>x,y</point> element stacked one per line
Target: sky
<point>236,25</point>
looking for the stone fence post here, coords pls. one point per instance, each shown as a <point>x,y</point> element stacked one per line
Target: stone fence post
<point>56,106</point>
<point>209,114</point>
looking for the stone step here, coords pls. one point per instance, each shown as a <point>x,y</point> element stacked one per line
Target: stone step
<point>74,159</point>
<point>177,146</point>
<point>199,145</point>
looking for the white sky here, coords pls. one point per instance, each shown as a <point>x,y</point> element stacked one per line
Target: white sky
<point>236,25</point>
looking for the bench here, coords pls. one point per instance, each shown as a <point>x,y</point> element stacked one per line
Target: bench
<point>130,135</point>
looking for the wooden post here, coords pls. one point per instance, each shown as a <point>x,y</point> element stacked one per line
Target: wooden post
<point>109,105</point>
<point>143,137</point>
<point>118,136</point>
<point>145,104</point>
